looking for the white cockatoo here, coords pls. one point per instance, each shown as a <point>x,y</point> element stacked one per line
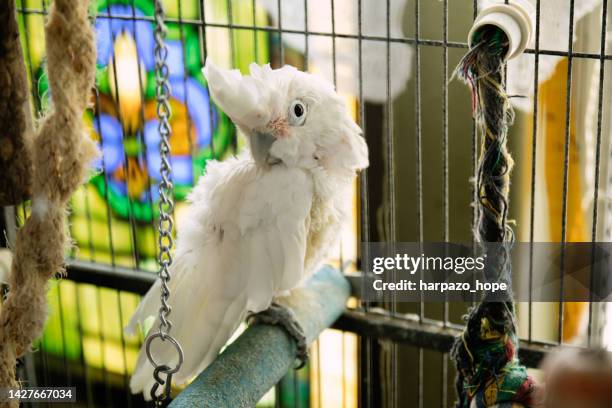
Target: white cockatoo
<point>259,223</point>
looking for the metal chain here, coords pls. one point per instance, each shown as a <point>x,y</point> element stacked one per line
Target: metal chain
<point>166,207</point>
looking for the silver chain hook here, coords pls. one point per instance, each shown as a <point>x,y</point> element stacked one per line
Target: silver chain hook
<point>166,224</point>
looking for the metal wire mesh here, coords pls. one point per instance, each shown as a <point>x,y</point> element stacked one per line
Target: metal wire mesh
<point>424,149</point>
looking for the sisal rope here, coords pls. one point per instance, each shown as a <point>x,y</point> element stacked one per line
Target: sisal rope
<point>15,116</point>
<point>61,154</point>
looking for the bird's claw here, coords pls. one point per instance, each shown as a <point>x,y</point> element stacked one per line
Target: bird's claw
<point>280,315</point>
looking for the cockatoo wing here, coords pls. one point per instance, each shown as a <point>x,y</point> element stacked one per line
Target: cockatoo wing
<point>242,242</point>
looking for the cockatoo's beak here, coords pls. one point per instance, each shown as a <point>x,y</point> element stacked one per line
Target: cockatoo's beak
<point>261,143</point>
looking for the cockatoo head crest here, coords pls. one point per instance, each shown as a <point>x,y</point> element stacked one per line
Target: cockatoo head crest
<point>289,117</point>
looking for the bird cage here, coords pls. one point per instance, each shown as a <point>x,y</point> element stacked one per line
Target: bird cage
<point>392,62</point>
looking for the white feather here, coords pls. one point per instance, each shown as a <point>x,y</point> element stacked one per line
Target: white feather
<point>244,243</point>
<point>254,233</point>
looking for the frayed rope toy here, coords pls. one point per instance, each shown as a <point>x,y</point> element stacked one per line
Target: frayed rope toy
<point>61,153</point>
<point>489,372</point>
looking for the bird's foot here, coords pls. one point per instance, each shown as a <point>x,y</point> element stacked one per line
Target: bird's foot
<point>280,315</point>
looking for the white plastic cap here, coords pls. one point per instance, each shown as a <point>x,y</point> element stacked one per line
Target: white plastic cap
<point>516,19</point>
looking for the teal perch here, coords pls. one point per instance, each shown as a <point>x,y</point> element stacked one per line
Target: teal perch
<point>262,355</point>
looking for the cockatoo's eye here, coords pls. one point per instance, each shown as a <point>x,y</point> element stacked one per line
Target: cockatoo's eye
<point>297,113</point>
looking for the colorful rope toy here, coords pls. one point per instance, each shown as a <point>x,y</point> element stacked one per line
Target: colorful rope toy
<point>486,353</point>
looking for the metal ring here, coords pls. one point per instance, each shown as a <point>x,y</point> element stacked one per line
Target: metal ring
<point>164,337</point>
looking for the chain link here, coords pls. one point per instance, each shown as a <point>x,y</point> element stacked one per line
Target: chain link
<point>166,208</point>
